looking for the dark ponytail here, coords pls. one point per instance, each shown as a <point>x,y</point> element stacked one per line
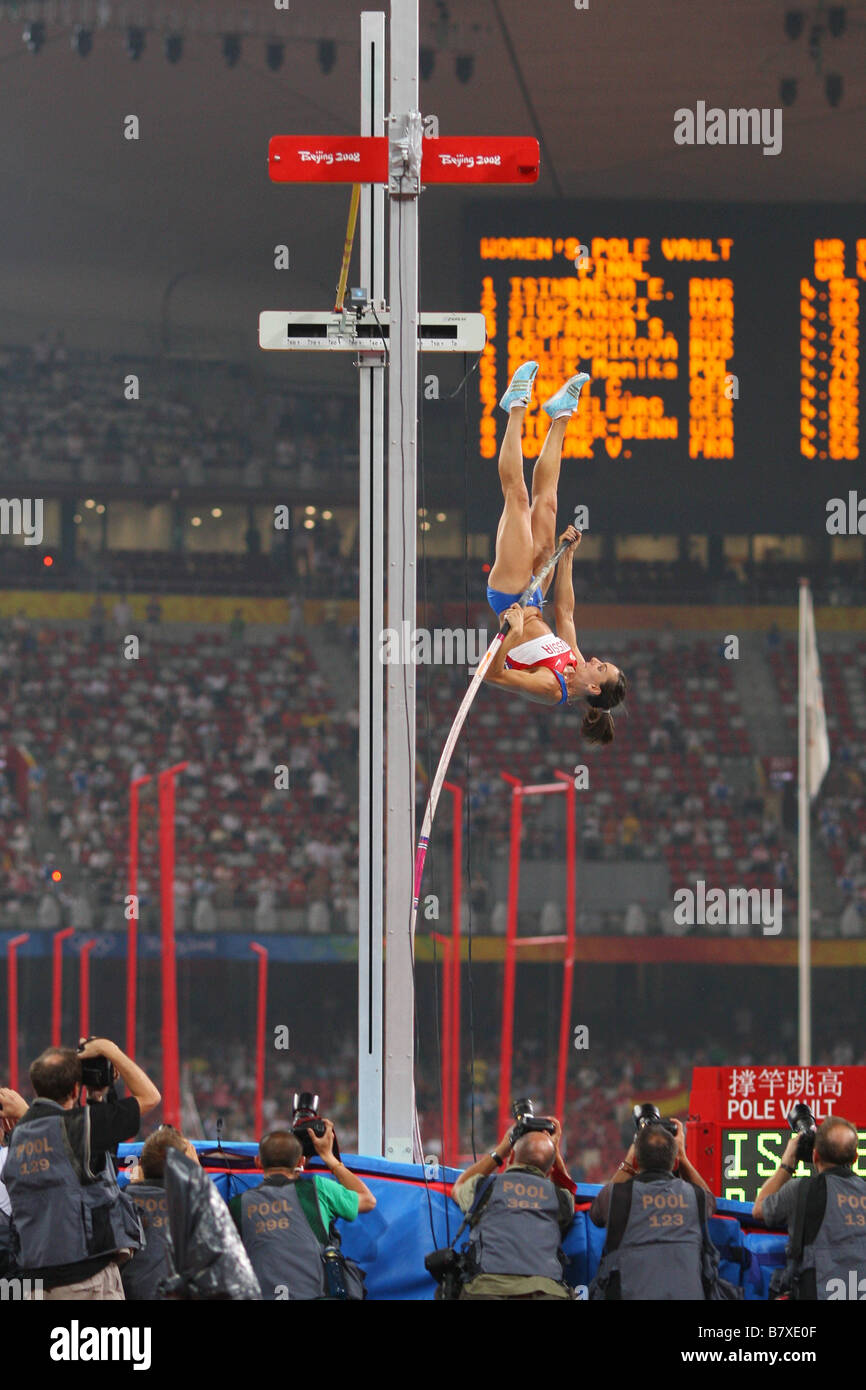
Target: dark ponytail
<point>598,724</point>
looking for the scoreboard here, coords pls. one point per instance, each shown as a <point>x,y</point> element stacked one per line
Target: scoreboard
<point>723,344</point>
<point>737,1128</point>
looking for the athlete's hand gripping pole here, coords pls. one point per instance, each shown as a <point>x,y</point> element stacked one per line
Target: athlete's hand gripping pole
<point>459,721</point>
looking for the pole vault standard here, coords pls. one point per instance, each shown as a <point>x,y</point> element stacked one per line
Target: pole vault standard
<point>84,988</point>
<point>513,942</point>
<point>12,989</point>
<point>57,982</point>
<point>404,160</point>
<point>170,1053</point>
<point>132,925</point>
<point>261,1015</point>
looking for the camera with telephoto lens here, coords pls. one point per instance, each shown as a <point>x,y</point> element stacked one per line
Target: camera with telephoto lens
<point>527,1122</point>
<point>802,1123</point>
<point>96,1072</point>
<point>306,1122</point>
<point>649,1114</point>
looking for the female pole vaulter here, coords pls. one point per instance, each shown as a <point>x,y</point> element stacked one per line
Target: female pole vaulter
<point>533,661</point>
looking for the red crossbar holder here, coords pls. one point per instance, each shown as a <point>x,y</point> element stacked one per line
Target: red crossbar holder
<point>364,159</point>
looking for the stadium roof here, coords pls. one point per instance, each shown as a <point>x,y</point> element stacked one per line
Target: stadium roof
<point>96,226</point>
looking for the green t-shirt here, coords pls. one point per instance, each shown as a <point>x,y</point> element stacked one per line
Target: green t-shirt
<point>334,1199</point>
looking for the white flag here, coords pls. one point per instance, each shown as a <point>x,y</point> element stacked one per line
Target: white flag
<point>817,741</point>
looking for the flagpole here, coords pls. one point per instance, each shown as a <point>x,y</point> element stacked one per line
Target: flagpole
<point>804,902</point>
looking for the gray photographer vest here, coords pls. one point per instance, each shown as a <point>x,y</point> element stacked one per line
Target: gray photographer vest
<point>833,1262</point>
<point>660,1250</point>
<point>146,1270</point>
<point>283,1251</point>
<point>518,1231</point>
<point>54,1199</point>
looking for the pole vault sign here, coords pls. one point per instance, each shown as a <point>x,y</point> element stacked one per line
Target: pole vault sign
<point>364,159</point>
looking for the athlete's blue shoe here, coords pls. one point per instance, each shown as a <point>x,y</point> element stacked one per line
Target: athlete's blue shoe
<point>566,399</point>
<point>520,386</point>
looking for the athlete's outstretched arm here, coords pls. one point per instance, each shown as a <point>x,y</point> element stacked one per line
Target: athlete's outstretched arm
<point>563,594</point>
<point>536,685</point>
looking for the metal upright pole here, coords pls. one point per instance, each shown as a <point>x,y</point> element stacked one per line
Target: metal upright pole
<point>506,1041</point>
<point>57,983</point>
<point>570,921</point>
<point>132,925</point>
<point>404,187</point>
<point>261,1017</point>
<point>84,988</point>
<point>12,996</point>
<point>371,767</point>
<point>804,867</point>
<point>453,1100</point>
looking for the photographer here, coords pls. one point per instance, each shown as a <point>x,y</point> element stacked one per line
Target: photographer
<point>655,1220</point>
<point>285,1222</point>
<point>12,1107</point>
<point>148,1268</point>
<point>73,1225</point>
<point>825,1215</point>
<point>515,1240</point>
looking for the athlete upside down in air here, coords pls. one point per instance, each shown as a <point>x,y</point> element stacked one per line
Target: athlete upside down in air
<point>533,661</point>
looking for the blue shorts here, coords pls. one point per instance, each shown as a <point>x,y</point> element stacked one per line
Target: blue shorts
<point>499,601</point>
